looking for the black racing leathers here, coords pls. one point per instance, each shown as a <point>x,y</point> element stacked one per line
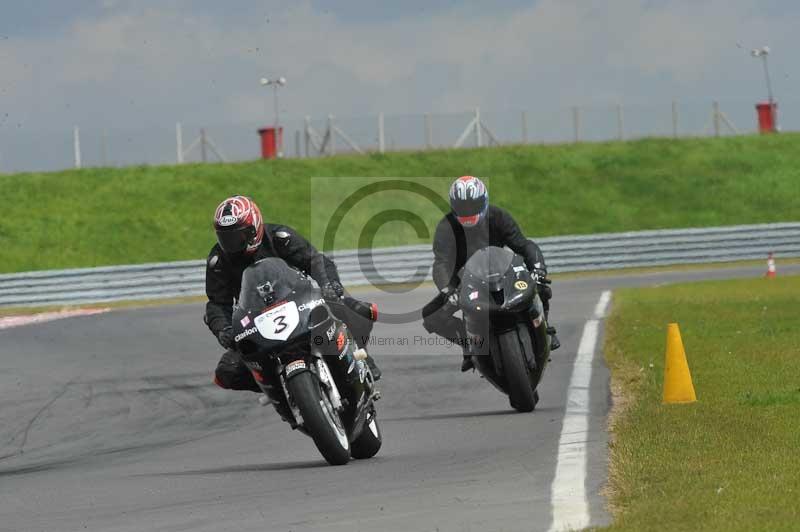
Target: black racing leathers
<point>224,272</point>
<point>453,245</point>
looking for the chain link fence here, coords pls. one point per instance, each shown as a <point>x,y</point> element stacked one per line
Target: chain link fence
<point>26,149</point>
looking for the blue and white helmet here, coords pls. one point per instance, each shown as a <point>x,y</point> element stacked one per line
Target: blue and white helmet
<point>469,200</point>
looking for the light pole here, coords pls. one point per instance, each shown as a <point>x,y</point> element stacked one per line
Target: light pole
<point>763,53</point>
<point>275,83</point>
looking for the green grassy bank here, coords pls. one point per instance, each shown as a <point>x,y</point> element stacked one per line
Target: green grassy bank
<point>142,214</point>
<point>728,461</point>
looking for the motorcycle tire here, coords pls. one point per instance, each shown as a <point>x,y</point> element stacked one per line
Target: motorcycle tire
<point>520,393</point>
<point>321,422</point>
<point>369,441</point>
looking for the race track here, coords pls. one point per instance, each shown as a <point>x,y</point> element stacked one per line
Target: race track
<point>111,423</point>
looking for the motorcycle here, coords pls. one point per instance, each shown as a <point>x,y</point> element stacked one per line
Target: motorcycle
<point>505,322</point>
<point>306,360</point>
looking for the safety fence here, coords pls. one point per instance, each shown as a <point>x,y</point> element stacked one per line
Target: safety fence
<point>201,139</point>
<point>413,264</point>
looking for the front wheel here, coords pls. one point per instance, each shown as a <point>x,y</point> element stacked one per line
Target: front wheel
<point>320,420</point>
<point>516,372</point>
<point>369,441</point>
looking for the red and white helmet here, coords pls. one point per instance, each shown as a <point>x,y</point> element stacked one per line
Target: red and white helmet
<point>469,200</point>
<point>239,225</point>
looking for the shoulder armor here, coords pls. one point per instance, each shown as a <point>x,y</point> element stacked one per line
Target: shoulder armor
<point>281,236</point>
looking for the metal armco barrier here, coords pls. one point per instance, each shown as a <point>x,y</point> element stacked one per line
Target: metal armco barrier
<point>413,263</point>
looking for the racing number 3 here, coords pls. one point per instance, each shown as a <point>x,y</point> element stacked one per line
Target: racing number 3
<point>280,323</point>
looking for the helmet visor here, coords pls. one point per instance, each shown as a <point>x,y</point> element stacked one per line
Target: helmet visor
<point>469,221</point>
<point>469,207</point>
<point>234,240</point>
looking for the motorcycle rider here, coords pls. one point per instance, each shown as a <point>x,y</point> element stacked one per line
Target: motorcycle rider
<point>473,224</point>
<point>242,239</point>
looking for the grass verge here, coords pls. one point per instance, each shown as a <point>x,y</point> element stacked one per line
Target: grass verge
<point>103,216</point>
<point>729,461</point>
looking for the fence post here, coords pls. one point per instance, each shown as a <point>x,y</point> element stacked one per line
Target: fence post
<point>478,135</point>
<point>307,134</point>
<point>716,118</point>
<point>524,128</point>
<point>179,142</point>
<point>381,135</point>
<point>428,132</point>
<point>203,144</point>
<point>332,137</point>
<point>674,119</point>
<point>76,139</point>
<point>576,122</point>
<point>620,122</point>
<point>297,153</point>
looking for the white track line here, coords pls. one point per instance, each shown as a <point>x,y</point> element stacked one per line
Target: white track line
<point>568,492</point>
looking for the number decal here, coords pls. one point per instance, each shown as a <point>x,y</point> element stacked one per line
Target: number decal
<point>278,323</point>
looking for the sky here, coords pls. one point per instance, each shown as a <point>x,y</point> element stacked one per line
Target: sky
<point>131,65</point>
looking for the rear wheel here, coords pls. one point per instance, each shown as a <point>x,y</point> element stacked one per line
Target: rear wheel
<point>320,420</point>
<point>369,441</point>
<point>521,395</point>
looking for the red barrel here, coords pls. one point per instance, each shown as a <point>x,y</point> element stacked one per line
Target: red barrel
<point>270,142</point>
<point>767,116</point>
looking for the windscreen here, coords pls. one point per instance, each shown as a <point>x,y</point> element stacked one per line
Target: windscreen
<point>271,270</point>
<point>489,264</point>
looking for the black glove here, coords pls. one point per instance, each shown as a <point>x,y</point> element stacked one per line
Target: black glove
<point>225,337</point>
<point>451,296</point>
<point>545,292</point>
<point>333,291</point>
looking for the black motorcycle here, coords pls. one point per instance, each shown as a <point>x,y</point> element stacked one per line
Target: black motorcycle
<point>306,360</point>
<point>505,322</point>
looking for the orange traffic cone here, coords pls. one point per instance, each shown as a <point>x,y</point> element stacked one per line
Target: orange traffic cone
<point>678,387</point>
<point>770,266</point>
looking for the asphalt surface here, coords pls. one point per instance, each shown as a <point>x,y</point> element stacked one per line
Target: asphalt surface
<point>111,423</point>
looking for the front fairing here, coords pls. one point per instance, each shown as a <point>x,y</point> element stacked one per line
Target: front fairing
<point>496,281</point>
<point>275,308</point>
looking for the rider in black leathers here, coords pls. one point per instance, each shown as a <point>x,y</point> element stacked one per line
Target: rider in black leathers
<point>242,239</point>
<point>472,225</point>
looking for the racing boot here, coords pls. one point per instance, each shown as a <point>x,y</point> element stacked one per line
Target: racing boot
<point>466,363</point>
<point>554,343</point>
<point>376,371</point>
<point>272,395</point>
